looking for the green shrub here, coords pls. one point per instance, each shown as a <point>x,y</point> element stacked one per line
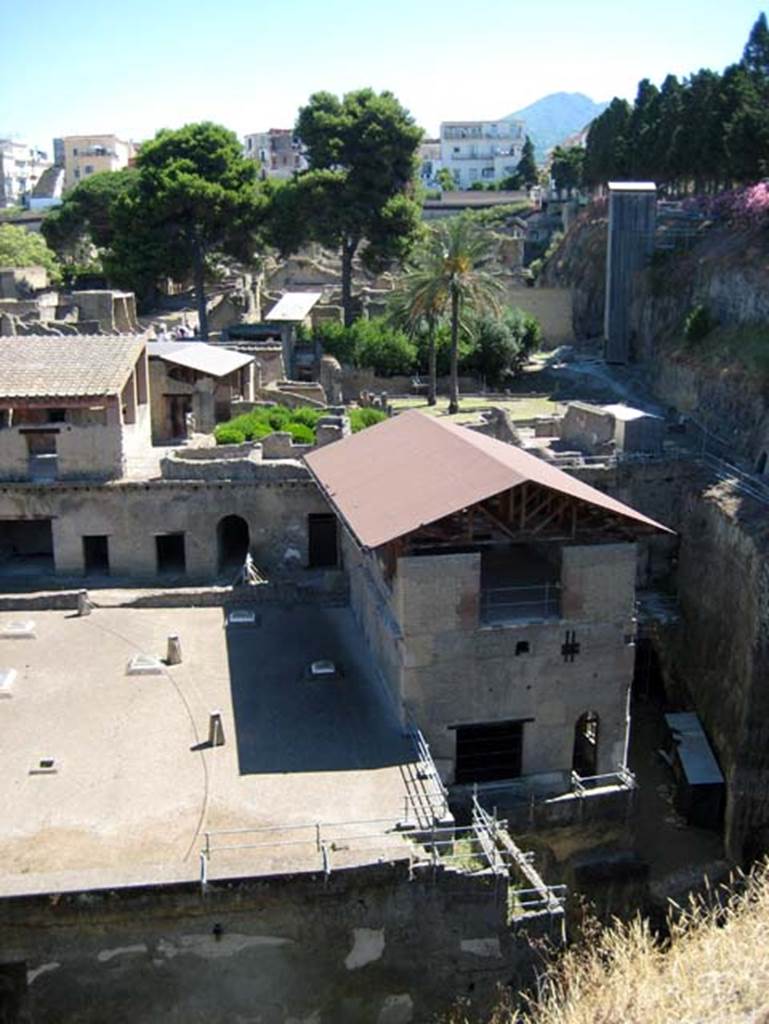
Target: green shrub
<point>307,415</point>
<point>369,344</point>
<point>362,418</point>
<point>228,433</point>
<point>300,433</point>
<point>698,324</point>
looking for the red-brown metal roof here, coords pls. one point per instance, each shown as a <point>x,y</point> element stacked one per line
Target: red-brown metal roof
<point>414,469</point>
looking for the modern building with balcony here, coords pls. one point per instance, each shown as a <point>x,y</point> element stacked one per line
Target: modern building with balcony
<point>21,168</point>
<point>481,151</point>
<point>85,155</point>
<point>496,594</point>
<point>278,152</point>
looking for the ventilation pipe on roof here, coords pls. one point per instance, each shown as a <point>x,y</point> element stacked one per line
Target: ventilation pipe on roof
<point>174,652</point>
<point>84,606</point>
<point>215,730</point>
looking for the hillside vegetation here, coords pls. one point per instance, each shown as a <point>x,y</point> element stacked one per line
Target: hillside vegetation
<point>714,969</point>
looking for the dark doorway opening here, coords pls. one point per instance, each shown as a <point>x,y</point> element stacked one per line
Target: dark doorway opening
<point>585,761</point>
<point>232,538</point>
<point>761,464</point>
<point>488,752</point>
<point>170,553</point>
<point>14,995</point>
<point>178,408</point>
<point>96,555</point>
<point>322,544</point>
<point>648,681</point>
<point>26,547</point>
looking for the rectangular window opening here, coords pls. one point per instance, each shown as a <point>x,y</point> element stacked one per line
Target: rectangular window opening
<point>171,558</point>
<point>489,752</point>
<point>322,542</point>
<point>96,554</point>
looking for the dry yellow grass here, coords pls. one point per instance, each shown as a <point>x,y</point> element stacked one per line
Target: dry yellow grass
<point>714,969</point>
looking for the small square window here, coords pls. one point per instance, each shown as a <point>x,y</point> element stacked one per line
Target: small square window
<point>521,647</point>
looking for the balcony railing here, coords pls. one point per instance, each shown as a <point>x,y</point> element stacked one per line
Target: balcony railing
<point>539,602</point>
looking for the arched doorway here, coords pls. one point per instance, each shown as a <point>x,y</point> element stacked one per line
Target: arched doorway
<point>761,464</point>
<point>585,760</point>
<point>233,538</point>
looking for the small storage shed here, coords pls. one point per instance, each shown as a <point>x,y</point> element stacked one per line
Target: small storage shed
<point>699,793</point>
<point>636,430</point>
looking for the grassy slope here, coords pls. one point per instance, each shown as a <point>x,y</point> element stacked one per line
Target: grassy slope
<point>715,970</point>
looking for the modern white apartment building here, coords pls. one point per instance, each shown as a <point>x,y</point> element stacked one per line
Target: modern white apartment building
<point>278,152</point>
<point>484,151</point>
<point>21,167</point>
<point>88,154</point>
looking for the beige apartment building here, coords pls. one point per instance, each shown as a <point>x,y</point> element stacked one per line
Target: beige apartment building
<point>85,155</point>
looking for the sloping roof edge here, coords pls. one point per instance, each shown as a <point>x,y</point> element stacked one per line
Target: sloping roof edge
<point>414,469</point>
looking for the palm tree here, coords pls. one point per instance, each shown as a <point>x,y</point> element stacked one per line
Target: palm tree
<point>451,272</point>
<point>409,310</point>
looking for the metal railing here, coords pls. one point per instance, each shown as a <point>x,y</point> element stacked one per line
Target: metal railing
<point>538,896</point>
<point>583,785</point>
<point>428,798</point>
<point>536,602</point>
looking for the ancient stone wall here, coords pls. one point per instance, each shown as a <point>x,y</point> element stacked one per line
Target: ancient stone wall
<point>132,515</point>
<point>361,946</point>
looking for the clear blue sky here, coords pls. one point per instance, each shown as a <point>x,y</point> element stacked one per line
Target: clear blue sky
<point>92,66</point>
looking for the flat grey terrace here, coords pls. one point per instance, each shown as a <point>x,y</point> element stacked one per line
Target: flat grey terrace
<point>136,786</point>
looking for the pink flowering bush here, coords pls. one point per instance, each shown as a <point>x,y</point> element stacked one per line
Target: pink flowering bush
<point>746,207</point>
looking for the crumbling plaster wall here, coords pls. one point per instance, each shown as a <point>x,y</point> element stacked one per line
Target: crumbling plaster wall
<point>132,514</point>
<point>363,946</point>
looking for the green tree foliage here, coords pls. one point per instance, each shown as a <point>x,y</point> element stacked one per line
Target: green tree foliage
<point>445,179</point>
<point>526,172</point>
<point>567,168</point>
<point>371,344</point>
<point>84,218</point>
<point>501,345</point>
<point>755,56</point>
<point>705,133</point>
<point>196,196</point>
<point>20,248</point>
<point>359,187</point>
<point>191,199</point>
<point>606,155</point>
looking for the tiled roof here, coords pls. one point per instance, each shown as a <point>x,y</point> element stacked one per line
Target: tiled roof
<point>75,366</point>
<point>415,469</point>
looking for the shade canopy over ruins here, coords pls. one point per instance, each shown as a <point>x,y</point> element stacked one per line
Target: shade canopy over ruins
<point>415,469</point>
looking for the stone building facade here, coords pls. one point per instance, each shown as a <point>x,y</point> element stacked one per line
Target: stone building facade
<point>497,595</point>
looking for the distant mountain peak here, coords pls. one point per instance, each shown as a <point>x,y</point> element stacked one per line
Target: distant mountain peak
<point>554,118</point>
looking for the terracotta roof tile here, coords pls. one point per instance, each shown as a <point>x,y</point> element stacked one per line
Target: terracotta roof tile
<point>74,366</point>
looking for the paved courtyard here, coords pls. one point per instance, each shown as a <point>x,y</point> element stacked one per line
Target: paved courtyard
<point>134,786</point>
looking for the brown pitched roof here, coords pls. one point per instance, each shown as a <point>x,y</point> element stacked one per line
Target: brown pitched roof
<point>75,366</point>
<point>415,469</point>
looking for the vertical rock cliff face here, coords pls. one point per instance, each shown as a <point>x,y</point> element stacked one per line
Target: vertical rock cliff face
<point>727,271</point>
<point>721,650</point>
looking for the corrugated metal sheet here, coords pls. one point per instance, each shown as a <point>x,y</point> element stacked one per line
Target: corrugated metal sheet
<point>197,355</point>
<point>293,307</point>
<point>415,469</point>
